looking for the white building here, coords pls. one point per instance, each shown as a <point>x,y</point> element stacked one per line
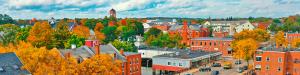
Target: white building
<point>229,26</point>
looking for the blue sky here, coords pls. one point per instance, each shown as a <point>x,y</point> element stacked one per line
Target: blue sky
<point>43,9</point>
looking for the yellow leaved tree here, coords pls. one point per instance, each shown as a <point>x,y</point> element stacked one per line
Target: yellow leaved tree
<point>81,31</point>
<point>41,61</point>
<point>245,49</point>
<point>280,39</point>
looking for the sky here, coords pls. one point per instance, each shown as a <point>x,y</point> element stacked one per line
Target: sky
<point>44,9</point>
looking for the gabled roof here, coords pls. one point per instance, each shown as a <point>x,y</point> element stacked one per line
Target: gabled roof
<point>84,52</point>
<point>10,64</point>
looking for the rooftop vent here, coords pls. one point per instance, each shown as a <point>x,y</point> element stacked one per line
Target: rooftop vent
<point>1,69</point>
<point>16,67</point>
<point>177,53</point>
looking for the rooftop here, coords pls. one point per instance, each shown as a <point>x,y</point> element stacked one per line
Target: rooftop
<point>213,38</point>
<point>187,54</point>
<point>11,65</point>
<point>130,53</point>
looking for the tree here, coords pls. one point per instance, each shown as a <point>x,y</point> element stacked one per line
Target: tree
<point>296,43</point>
<point>110,33</point>
<point>245,49</point>
<point>23,33</point>
<point>139,28</point>
<point>41,61</point>
<point>81,31</point>
<point>280,39</point>
<point>152,31</point>
<point>100,65</point>
<point>125,45</point>
<point>40,35</point>
<point>61,34</point>
<point>91,23</point>
<point>6,19</point>
<point>74,39</point>
<point>257,34</point>
<point>99,35</point>
<point>9,34</point>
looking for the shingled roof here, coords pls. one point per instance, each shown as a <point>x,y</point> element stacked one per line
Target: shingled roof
<point>11,65</point>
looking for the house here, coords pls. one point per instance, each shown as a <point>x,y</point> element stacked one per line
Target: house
<point>262,25</point>
<point>52,22</point>
<point>131,62</point>
<point>229,26</point>
<point>188,32</point>
<point>177,62</point>
<point>10,64</point>
<point>212,44</point>
<point>277,61</point>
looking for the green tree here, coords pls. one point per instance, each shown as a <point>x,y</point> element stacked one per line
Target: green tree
<point>91,23</point>
<point>110,33</point>
<point>139,28</point>
<point>23,33</point>
<point>74,39</point>
<point>8,35</point>
<point>126,46</point>
<point>6,19</point>
<point>61,34</point>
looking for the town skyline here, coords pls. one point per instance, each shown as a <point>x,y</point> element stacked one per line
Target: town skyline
<point>45,9</point>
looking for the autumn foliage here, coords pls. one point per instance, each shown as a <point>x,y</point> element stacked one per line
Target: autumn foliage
<point>40,34</point>
<point>40,61</point>
<point>81,31</point>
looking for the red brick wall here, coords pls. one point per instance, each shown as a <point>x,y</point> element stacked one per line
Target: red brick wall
<point>288,64</point>
<point>134,63</point>
<point>211,45</point>
<point>291,37</point>
<point>162,27</point>
<point>220,34</point>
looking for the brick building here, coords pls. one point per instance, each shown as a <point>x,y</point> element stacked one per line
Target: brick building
<point>131,62</point>
<point>277,61</point>
<point>291,36</point>
<point>212,44</point>
<point>177,62</point>
<point>188,32</point>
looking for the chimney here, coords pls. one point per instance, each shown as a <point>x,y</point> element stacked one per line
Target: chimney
<point>122,51</point>
<point>97,48</point>
<point>68,55</point>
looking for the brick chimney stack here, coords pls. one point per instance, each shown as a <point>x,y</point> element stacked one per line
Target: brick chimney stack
<point>68,55</point>
<point>122,51</point>
<point>97,48</point>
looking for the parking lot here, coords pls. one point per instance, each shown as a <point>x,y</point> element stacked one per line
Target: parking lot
<point>232,71</point>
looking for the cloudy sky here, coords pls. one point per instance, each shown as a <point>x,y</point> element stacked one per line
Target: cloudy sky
<point>43,9</point>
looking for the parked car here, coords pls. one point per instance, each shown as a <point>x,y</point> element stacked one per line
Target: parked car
<point>245,67</point>
<point>216,65</point>
<point>227,65</point>
<point>238,62</point>
<point>205,69</point>
<point>188,74</point>
<point>215,73</point>
<point>240,70</point>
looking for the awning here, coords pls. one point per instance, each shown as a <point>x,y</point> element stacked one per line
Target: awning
<point>167,68</point>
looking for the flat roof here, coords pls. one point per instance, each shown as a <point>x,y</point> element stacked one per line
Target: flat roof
<point>186,54</point>
<point>212,38</point>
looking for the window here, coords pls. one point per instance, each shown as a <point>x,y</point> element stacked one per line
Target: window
<point>279,69</point>
<point>174,64</point>
<point>169,63</point>
<point>180,64</point>
<point>258,58</point>
<point>204,43</point>
<point>267,67</point>
<point>215,43</point>
<point>279,59</point>
<point>209,43</point>
<point>200,43</point>
<point>268,58</point>
<point>257,67</point>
